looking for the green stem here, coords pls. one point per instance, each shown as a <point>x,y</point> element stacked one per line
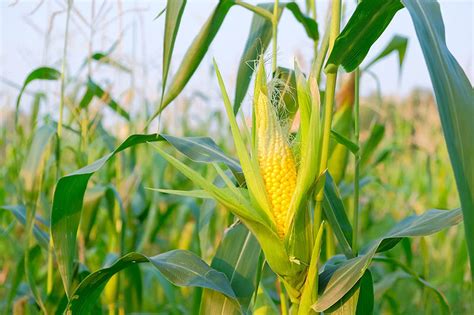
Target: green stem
<point>63,69</point>
<point>355,214</point>
<point>313,14</point>
<point>50,278</point>
<point>329,100</point>
<point>274,35</point>
<point>318,63</point>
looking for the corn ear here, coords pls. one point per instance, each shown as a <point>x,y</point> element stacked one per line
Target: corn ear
<point>275,158</point>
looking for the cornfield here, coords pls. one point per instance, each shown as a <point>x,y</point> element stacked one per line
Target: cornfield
<point>282,191</point>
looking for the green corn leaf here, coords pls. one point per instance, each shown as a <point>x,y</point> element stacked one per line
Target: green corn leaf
<point>95,90</point>
<point>347,274</point>
<point>174,12</point>
<point>32,260</point>
<point>365,302</point>
<point>371,144</point>
<point>204,150</point>
<point>310,25</point>
<point>195,54</point>
<point>67,207</point>
<point>33,166</point>
<point>236,257</point>
<point>180,267</point>
<point>202,194</point>
<point>103,57</point>
<point>454,98</point>
<point>344,141</point>
<point>19,212</point>
<point>336,215</point>
<point>366,24</point>
<point>258,40</point>
<point>389,280</point>
<point>42,73</point>
<point>397,44</point>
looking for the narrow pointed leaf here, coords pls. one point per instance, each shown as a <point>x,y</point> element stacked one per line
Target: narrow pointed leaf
<point>344,141</point>
<point>174,12</point>
<point>93,89</point>
<point>195,53</point>
<point>337,217</point>
<point>42,73</point>
<point>397,44</point>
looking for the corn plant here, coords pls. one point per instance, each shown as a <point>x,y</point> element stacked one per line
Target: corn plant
<point>270,217</point>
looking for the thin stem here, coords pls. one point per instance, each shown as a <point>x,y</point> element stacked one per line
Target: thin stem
<point>355,218</point>
<point>50,277</point>
<point>318,63</point>
<point>313,14</point>
<point>274,35</point>
<point>63,69</point>
<point>329,99</point>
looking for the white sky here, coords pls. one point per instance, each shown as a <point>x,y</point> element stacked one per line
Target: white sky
<point>23,38</point>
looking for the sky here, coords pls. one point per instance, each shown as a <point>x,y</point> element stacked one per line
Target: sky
<point>30,38</point>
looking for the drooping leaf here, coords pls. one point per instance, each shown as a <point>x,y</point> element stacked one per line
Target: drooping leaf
<point>204,150</point>
<point>180,267</point>
<point>19,212</point>
<point>310,25</point>
<point>344,141</point>
<point>397,44</point>
<point>237,257</point>
<point>42,73</point>
<point>344,276</point>
<point>454,98</point>
<point>103,57</point>
<point>67,207</point>
<point>365,26</point>
<point>95,90</point>
<point>371,144</point>
<point>406,273</point>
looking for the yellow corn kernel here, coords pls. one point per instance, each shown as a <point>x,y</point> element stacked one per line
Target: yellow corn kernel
<point>276,162</point>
